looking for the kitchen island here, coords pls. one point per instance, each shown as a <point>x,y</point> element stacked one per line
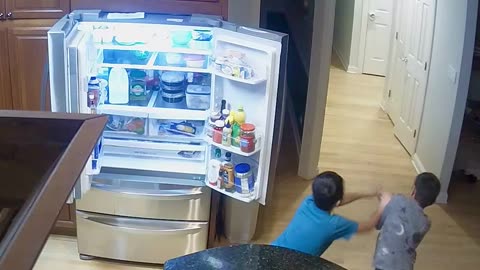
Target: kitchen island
<point>250,257</point>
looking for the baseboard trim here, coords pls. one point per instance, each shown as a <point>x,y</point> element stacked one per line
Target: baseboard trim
<point>353,69</point>
<point>340,57</point>
<point>442,197</point>
<point>417,163</point>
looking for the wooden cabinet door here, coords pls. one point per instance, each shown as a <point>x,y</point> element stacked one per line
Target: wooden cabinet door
<point>65,221</point>
<point>5,89</point>
<point>28,55</point>
<point>37,9</point>
<point>210,7</point>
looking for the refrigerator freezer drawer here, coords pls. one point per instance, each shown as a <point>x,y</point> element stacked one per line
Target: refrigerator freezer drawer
<point>173,202</point>
<point>138,240</point>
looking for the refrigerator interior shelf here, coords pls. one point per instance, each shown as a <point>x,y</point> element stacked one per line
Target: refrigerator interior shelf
<point>154,145</point>
<point>253,81</point>
<point>146,153</point>
<point>154,164</point>
<point>154,67</point>
<point>167,48</point>
<point>241,197</point>
<point>152,112</point>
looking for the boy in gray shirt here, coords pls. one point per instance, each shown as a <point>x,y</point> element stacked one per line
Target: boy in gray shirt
<point>403,224</point>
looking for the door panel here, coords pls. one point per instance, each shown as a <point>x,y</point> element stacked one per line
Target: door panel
<point>27,45</point>
<point>37,9</point>
<point>417,56</point>
<point>5,89</point>
<point>378,35</point>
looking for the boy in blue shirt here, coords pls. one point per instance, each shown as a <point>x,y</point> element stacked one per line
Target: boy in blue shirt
<point>314,227</point>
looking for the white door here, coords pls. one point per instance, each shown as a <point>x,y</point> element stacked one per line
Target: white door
<point>402,24</point>
<point>413,81</point>
<point>379,29</point>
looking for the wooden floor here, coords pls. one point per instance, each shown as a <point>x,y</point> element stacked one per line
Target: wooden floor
<point>359,144</point>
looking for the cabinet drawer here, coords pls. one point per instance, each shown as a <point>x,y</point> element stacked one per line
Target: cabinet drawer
<point>147,200</point>
<point>138,240</point>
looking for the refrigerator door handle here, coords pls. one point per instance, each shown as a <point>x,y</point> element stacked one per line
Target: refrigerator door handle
<point>174,194</point>
<point>145,225</point>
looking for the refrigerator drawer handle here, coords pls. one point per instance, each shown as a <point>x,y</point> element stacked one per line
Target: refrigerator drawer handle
<point>137,225</point>
<point>179,194</point>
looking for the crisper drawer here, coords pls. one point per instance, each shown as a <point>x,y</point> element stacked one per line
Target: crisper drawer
<point>147,200</point>
<point>138,240</point>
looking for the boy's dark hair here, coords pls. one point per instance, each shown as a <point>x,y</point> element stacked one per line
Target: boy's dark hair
<point>327,189</point>
<point>427,187</point>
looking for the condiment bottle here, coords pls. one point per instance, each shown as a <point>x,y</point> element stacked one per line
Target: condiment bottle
<point>228,177</point>
<point>215,166</point>
<point>225,114</point>
<point>236,135</point>
<point>217,131</point>
<point>247,138</point>
<point>240,116</point>
<point>214,116</point>
<point>227,135</point>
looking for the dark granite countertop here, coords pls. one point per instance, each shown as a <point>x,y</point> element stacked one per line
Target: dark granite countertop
<point>250,257</point>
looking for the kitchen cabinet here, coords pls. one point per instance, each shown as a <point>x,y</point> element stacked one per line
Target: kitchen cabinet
<point>28,51</point>
<point>36,9</point>
<point>66,221</point>
<point>210,7</point>
<point>5,92</point>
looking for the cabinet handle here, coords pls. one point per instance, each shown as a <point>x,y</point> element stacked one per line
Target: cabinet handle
<point>9,15</point>
<point>2,16</point>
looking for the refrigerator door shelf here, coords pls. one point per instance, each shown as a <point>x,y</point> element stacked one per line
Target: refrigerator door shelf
<point>246,190</point>
<point>254,145</point>
<point>138,240</point>
<point>147,200</point>
<point>254,80</point>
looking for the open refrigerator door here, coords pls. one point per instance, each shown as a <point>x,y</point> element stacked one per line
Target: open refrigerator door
<point>72,58</point>
<point>245,74</point>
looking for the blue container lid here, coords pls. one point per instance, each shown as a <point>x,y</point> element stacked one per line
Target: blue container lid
<point>242,168</point>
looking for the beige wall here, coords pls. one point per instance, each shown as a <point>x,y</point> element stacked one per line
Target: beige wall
<point>445,99</point>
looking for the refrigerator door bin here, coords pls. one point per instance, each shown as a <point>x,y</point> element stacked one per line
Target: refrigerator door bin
<point>147,200</point>
<point>139,240</point>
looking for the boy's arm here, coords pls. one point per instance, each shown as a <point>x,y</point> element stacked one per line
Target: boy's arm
<point>370,224</point>
<point>375,218</point>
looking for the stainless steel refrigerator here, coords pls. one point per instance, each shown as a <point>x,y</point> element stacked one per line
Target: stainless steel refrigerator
<point>194,104</point>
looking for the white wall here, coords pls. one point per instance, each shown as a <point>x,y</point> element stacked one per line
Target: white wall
<point>343,29</point>
<point>244,12</point>
<point>445,99</point>
<point>348,33</point>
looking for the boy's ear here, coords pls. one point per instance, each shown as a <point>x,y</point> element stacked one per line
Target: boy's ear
<point>414,191</point>
<point>338,203</point>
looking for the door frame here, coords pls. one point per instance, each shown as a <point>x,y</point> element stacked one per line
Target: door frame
<point>324,18</point>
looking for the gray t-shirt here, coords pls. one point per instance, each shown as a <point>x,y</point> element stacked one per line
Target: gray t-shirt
<point>402,227</point>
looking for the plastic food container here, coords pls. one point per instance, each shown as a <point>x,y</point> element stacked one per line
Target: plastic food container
<point>194,61</point>
<point>198,97</point>
<point>173,59</point>
<point>181,38</point>
<point>244,180</point>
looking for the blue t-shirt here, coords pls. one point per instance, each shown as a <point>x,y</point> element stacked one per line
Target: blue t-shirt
<point>313,230</point>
